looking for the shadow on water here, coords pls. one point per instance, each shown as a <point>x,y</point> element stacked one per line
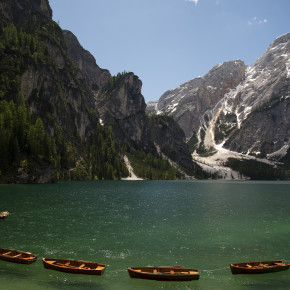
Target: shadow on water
<point>13,272</point>
<point>257,286</point>
<point>74,285</point>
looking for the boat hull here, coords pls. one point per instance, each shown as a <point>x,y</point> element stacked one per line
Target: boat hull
<point>74,266</point>
<point>164,274</point>
<point>15,256</point>
<point>259,267</point>
<point>4,214</point>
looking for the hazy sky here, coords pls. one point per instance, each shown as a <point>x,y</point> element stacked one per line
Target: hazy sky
<point>168,42</point>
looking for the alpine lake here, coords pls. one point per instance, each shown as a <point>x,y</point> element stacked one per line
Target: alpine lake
<point>204,225</point>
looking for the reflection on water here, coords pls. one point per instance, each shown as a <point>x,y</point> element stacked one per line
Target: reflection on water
<point>199,224</point>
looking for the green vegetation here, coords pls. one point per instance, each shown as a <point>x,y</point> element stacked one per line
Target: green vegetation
<point>25,142</point>
<point>224,126</point>
<point>22,141</point>
<point>149,166</point>
<point>201,148</point>
<point>38,131</point>
<point>114,80</point>
<point>18,49</point>
<point>286,160</point>
<point>102,158</point>
<point>257,170</point>
<point>192,143</point>
<point>162,119</point>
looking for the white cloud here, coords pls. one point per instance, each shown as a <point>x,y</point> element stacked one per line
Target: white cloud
<point>194,1</point>
<point>255,21</point>
<point>263,21</point>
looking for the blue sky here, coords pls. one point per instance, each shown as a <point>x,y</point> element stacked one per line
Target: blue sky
<point>168,42</point>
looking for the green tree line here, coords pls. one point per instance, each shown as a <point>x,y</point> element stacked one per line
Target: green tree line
<point>20,138</point>
<point>150,166</point>
<point>258,170</point>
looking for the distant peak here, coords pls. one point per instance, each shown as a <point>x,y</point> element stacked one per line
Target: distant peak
<point>236,62</point>
<point>281,39</point>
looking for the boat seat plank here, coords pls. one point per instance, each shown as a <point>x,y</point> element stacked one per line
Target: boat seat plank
<point>81,266</point>
<point>67,263</point>
<point>17,256</point>
<point>50,262</point>
<point>100,268</point>
<point>7,253</point>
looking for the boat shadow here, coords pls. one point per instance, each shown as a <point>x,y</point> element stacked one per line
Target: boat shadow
<point>75,285</point>
<point>14,271</point>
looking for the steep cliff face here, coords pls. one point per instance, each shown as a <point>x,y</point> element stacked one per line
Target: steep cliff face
<point>95,77</point>
<point>191,100</point>
<point>117,99</point>
<point>62,99</point>
<point>242,109</point>
<point>122,104</point>
<point>265,132</point>
<point>67,117</point>
<point>261,103</point>
<point>162,128</point>
<point>61,137</point>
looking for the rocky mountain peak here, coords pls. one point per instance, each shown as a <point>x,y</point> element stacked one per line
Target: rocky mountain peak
<point>265,78</point>
<point>121,103</point>
<point>281,39</point>
<point>235,109</point>
<point>192,99</point>
<point>262,100</point>
<point>224,71</point>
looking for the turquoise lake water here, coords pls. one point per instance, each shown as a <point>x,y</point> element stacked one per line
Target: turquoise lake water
<point>197,224</point>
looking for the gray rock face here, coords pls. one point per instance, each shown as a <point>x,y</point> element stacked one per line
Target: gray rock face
<point>64,86</point>
<point>163,128</point>
<point>188,102</point>
<point>116,99</point>
<point>95,77</point>
<point>265,131</point>
<point>247,108</point>
<point>121,101</point>
<point>22,12</point>
<point>261,103</point>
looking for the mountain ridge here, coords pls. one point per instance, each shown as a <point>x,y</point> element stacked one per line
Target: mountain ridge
<point>62,117</point>
<point>250,116</point>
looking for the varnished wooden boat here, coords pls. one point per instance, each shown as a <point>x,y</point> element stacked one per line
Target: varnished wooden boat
<point>4,214</point>
<point>259,267</point>
<point>74,266</point>
<point>16,256</point>
<point>164,273</point>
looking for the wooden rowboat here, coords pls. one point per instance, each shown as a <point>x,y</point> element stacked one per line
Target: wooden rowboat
<point>16,256</point>
<point>74,266</point>
<point>4,214</point>
<point>259,267</point>
<point>164,273</point>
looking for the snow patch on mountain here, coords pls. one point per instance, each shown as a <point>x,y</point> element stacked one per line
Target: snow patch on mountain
<point>279,153</point>
<point>215,164</point>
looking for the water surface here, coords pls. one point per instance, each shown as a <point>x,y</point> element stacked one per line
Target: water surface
<point>199,224</point>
